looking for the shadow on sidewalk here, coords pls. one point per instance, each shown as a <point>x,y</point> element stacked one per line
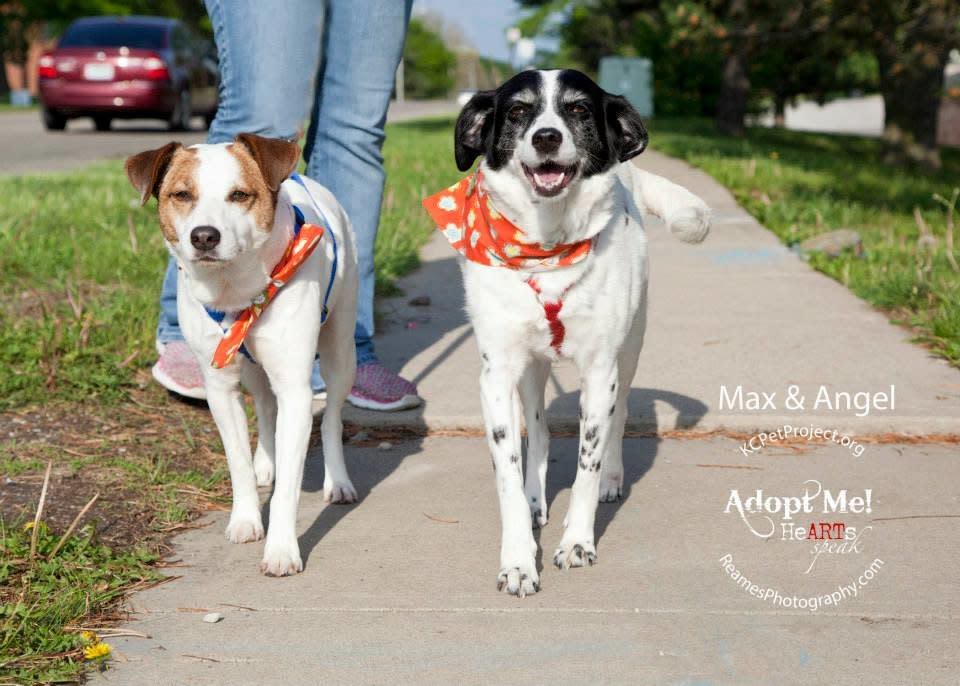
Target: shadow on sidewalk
<point>641,401</point>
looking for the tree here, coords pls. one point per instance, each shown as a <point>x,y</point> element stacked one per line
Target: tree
<point>428,65</point>
<point>911,40</point>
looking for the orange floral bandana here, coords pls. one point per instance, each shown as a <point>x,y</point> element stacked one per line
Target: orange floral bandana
<point>481,234</point>
<point>298,250</point>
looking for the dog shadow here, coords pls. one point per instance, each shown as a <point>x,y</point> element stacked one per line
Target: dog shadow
<point>640,448</point>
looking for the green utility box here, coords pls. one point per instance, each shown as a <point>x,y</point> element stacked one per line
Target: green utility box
<point>631,77</point>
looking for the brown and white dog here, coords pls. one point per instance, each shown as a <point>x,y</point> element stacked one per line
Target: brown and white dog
<point>227,214</point>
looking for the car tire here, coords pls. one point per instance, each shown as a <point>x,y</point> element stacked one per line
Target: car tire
<point>102,123</point>
<point>182,113</point>
<point>53,121</point>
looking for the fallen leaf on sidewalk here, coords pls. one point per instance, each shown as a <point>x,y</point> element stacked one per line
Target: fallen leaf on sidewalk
<point>442,520</point>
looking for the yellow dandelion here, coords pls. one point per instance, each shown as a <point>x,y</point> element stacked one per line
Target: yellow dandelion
<point>97,651</point>
<point>89,637</point>
<point>28,526</point>
<point>774,155</point>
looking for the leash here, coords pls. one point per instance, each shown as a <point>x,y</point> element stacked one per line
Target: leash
<point>299,221</point>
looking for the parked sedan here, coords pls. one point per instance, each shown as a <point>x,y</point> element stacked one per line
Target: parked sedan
<point>128,67</point>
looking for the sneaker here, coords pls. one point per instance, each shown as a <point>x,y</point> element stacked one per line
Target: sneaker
<point>377,388</point>
<point>177,370</point>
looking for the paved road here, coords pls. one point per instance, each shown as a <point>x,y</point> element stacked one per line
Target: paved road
<point>26,147</point>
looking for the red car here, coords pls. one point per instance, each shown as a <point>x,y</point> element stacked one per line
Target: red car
<point>128,67</point>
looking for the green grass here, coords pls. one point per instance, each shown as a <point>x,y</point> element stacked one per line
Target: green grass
<point>801,184</point>
<point>43,599</point>
<point>81,264</point>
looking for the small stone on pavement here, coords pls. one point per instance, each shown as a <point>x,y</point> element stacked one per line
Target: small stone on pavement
<point>212,617</point>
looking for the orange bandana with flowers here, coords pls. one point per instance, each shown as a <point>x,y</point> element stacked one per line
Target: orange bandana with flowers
<point>481,234</point>
<point>298,250</point>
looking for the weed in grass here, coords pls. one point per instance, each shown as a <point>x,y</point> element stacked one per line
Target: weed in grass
<point>801,184</point>
<point>43,599</point>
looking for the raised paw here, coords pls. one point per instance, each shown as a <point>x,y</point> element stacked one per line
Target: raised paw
<point>611,488</point>
<point>520,581</point>
<point>339,492</point>
<point>244,528</point>
<point>281,559</point>
<point>575,555</point>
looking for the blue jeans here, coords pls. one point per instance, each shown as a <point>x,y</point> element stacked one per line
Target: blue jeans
<point>333,59</point>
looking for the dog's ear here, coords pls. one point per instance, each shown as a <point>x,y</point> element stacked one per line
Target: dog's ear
<point>146,169</point>
<point>625,130</point>
<point>276,158</point>
<point>474,126</point>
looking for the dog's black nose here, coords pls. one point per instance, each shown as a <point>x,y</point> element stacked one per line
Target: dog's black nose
<point>205,238</point>
<point>547,140</point>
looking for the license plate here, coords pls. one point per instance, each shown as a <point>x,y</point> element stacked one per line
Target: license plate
<point>98,72</point>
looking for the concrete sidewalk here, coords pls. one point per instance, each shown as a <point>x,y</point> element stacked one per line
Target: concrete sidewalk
<point>400,589</point>
<point>740,309</point>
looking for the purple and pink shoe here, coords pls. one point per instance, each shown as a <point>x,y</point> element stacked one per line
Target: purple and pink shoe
<point>377,388</point>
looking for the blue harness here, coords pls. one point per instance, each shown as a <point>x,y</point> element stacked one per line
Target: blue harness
<point>299,220</point>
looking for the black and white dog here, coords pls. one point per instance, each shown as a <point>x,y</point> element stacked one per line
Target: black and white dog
<point>554,148</point>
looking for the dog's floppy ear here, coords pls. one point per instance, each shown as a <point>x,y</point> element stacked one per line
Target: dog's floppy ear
<point>276,158</point>
<point>625,131</point>
<point>146,169</point>
<point>474,126</point>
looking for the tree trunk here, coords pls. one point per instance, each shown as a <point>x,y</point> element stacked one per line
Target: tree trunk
<point>911,82</point>
<point>779,110</point>
<point>4,86</point>
<point>732,105</point>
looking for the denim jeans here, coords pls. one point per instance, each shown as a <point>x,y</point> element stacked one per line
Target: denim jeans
<point>333,59</point>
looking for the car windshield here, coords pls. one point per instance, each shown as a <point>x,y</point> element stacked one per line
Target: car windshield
<point>113,35</point>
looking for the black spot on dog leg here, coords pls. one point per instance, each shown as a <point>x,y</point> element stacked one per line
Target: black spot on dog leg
<point>499,433</point>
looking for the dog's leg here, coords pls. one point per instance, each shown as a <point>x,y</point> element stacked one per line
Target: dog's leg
<point>611,473</point>
<point>265,403</point>
<point>501,411</point>
<point>532,385</point>
<point>338,360</point>
<point>226,406</point>
<point>598,397</point>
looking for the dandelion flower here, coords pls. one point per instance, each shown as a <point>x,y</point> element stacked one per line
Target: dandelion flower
<point>97,651</point>
<point>89,637</point>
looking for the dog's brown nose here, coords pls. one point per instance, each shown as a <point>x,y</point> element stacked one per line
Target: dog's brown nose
<point>205,238</point>
<point>547,140</point>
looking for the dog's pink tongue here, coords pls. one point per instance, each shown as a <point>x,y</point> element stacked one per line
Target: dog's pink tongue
<point>549,177</point>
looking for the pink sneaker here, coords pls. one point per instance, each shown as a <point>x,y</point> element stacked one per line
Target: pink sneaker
<point>377,388</point>
<point>177,370</point>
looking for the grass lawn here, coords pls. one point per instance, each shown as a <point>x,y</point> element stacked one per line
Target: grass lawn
<point>81,264</point>
<point>801,184</point>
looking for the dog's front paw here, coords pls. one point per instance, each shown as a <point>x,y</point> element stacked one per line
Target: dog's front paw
<point>244,528</point>
<point>519,580</point>
<point>575,555</point>
<point>690,224</point>
<point>281,558</point>
<point>339,492</point>
<point>611,487</point>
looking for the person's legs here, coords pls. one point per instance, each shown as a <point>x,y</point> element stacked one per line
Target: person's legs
<point>363,46</point>
<point>268,64</point>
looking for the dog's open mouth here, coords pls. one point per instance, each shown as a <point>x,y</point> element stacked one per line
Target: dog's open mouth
<point>550,178</point>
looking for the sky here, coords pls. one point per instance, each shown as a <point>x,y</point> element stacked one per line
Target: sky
<point>483,22</point>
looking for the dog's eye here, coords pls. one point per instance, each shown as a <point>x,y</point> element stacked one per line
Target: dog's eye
<point>577,108</point>
<point>239,196</point>
<point>182,196</point>
<point>517,112</point>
